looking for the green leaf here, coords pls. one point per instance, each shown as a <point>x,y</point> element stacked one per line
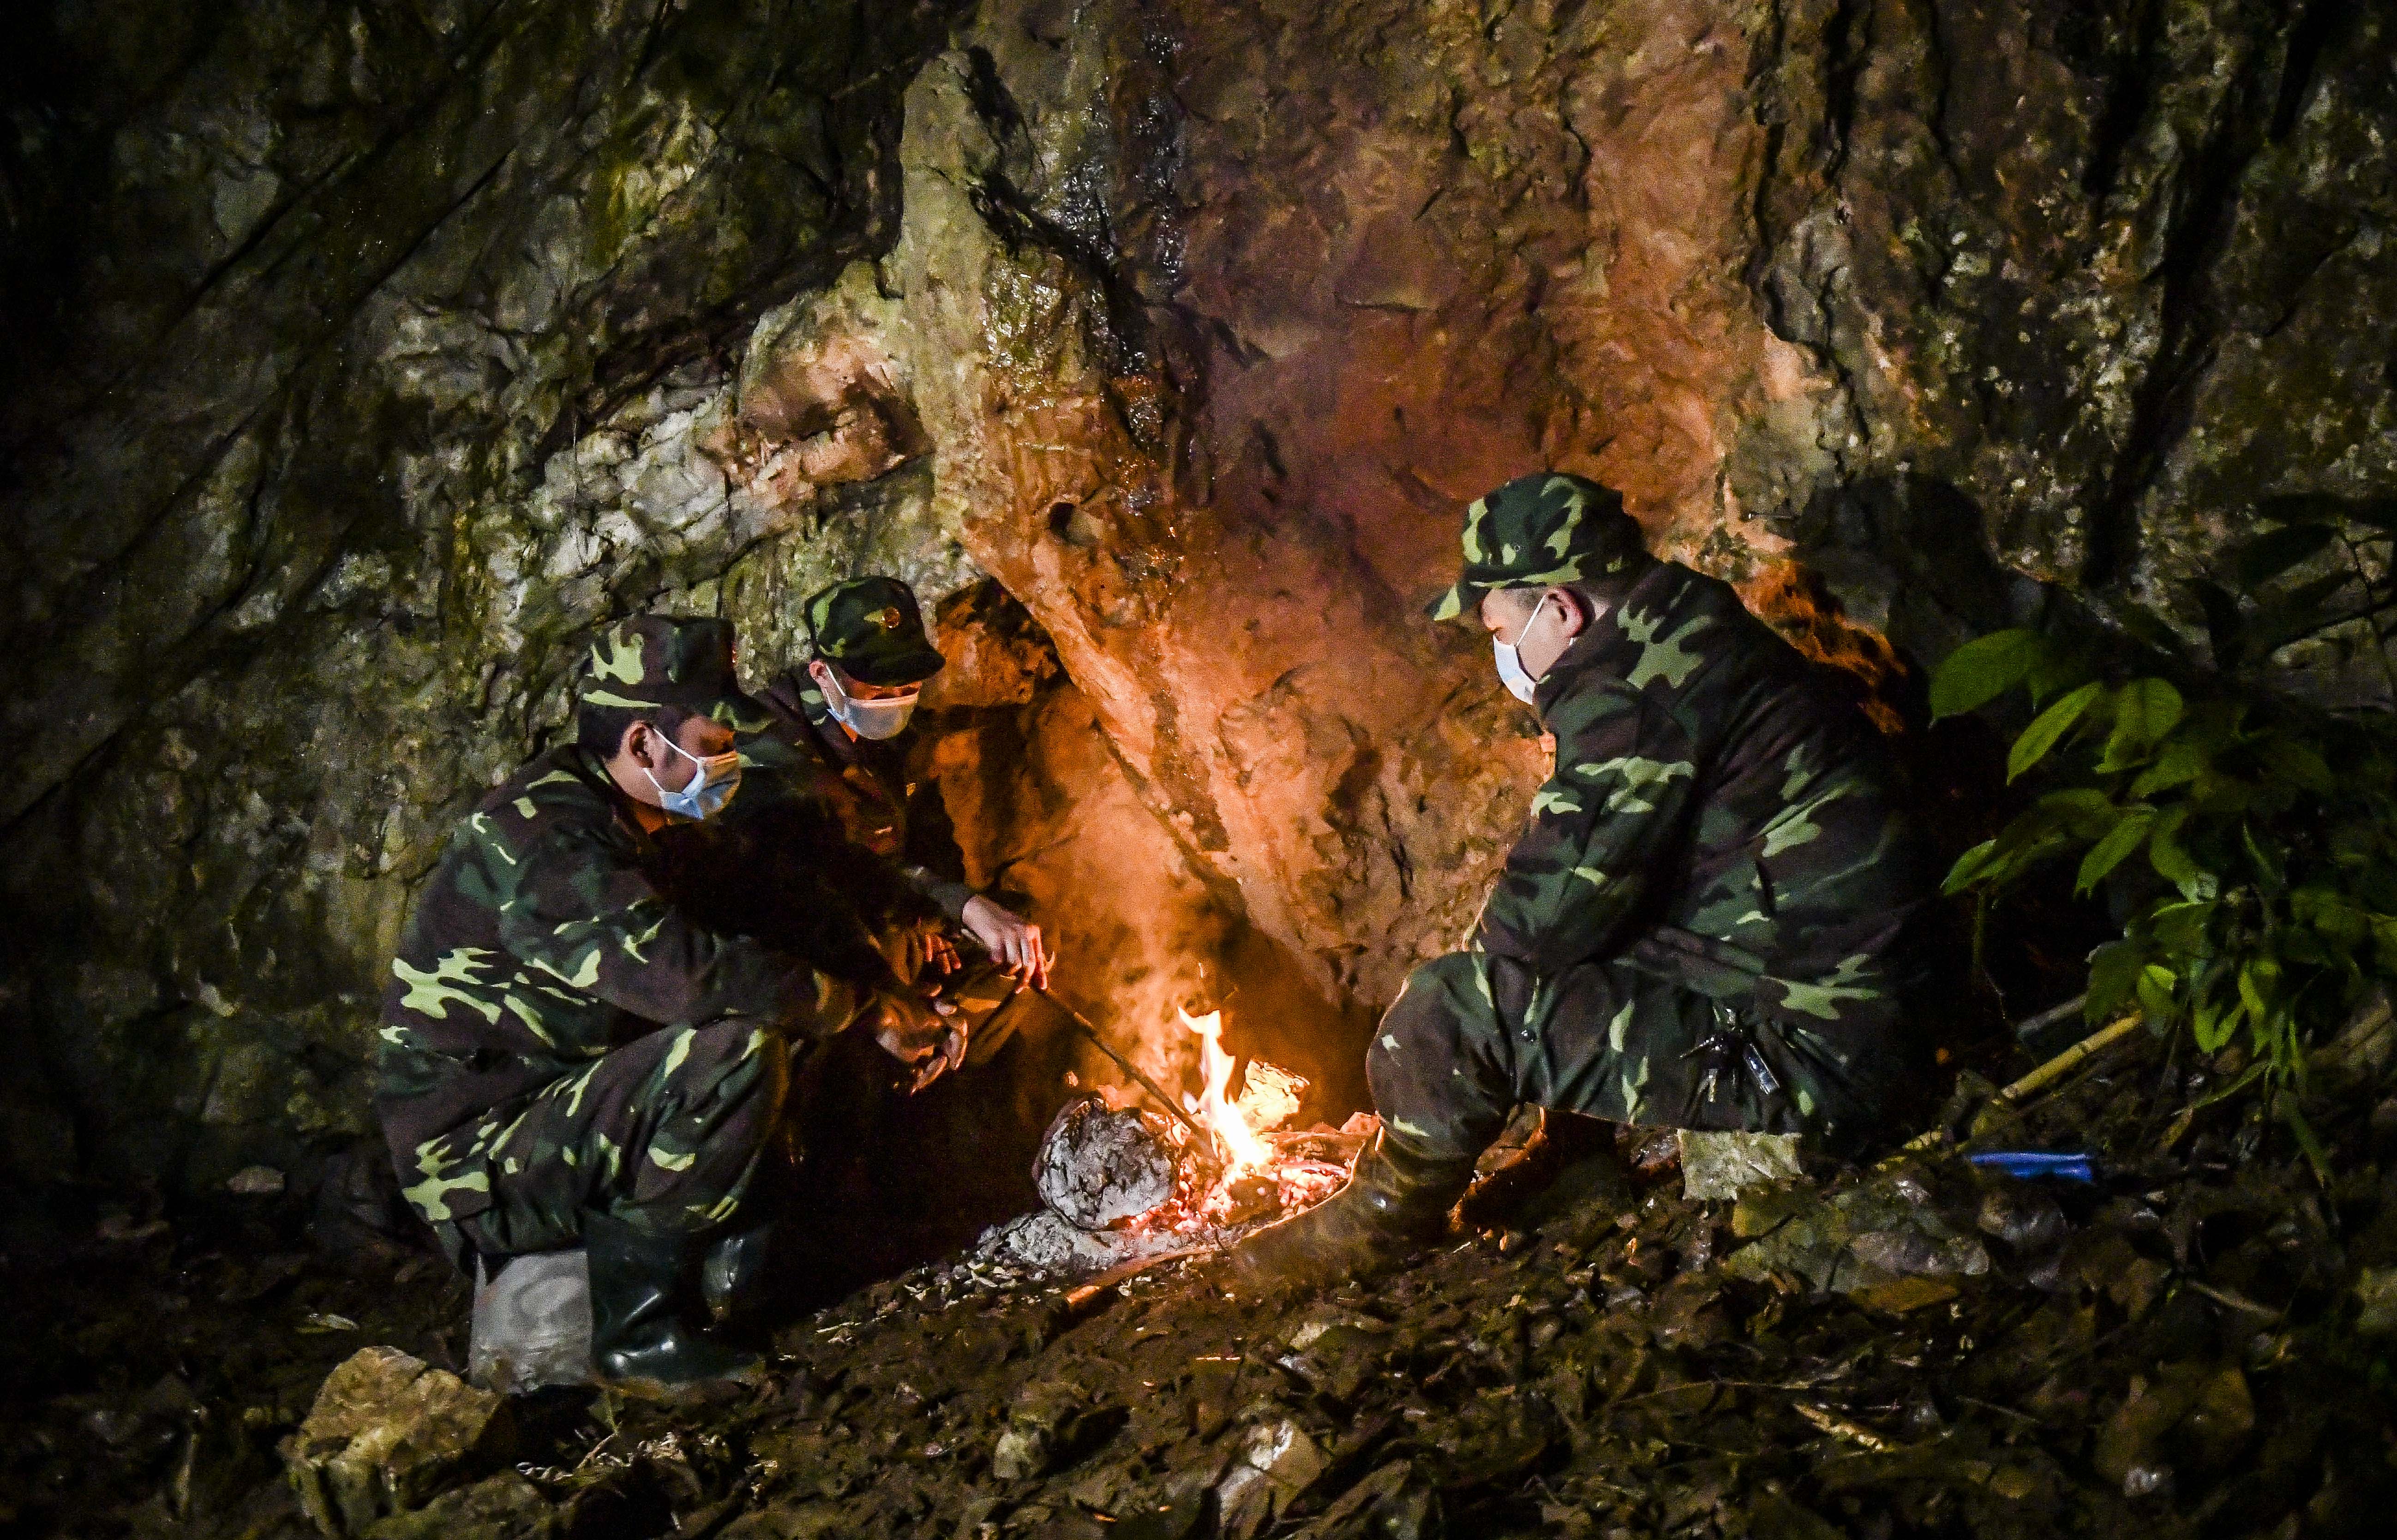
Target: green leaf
<point>2181,761</point>
<point>2180,928</point>
<point>2061,668</point>
<point>1983,670</point>
<point>2322,508</point>
<point>2113,975</point>
<point>2259,560</point>
<point>2155,991</point>
<point>2256,979</point>
<point>1968,865</point>
<point>2108,853</point>
<point>2305,612</point>
<point>2275,877</point>
<point>2316,1156</point>
<point>2297,762</point>
<point>2048,727</point>
<point>2384,942</point>
<point>2082,811</point>
<point>2172,860</point>
<point>2379,513</point>
<point>2154,629</point>
<point>2213,1025</point>
<point>2145,709</point>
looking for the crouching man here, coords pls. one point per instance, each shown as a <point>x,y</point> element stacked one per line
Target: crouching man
<point>1709,922</point>
<point>565,1058</point>
<point>839,743</point>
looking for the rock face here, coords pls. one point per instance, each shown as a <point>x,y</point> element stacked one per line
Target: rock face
<point>373,352</point>
<point>363,357</point>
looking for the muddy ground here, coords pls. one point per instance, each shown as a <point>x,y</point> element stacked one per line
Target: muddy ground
<point>2198,1343</point>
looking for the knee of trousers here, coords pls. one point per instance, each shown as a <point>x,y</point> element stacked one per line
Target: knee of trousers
<point>1435,1037</point>
<point>738,1065</point>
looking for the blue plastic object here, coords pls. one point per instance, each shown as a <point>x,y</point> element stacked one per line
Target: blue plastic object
<point>2075,1167</point>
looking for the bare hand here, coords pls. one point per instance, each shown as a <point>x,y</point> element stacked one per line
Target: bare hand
<point>926,1035</point>
<point>1014,942</point>
<point>936,953</point>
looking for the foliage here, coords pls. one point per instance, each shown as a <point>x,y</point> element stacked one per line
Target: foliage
<point>2265,904</point>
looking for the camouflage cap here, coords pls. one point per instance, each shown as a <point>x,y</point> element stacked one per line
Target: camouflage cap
<point>650,661</point>
<point>1538,531</point>
<point>871,629</point>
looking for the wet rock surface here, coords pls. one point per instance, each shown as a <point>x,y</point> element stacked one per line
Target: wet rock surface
<point>2189,1345</point>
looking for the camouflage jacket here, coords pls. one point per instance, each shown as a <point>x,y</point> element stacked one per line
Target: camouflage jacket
<point>1719,813</point>
<point>862,786</point>
<point>540,943</point>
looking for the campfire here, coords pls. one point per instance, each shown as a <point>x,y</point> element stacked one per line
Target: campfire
<point>1123,1183</point>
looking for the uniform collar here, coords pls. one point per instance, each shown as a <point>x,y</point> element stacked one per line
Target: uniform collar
<point>796,695</point>
<point>1605,651</point>
<point>593,772</point>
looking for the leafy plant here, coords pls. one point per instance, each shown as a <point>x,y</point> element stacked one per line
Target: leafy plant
<point>2249,840</point>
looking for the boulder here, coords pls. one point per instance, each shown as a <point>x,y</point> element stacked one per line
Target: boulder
<point>387,1433</point>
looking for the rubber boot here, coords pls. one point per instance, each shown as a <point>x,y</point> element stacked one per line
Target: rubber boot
<point>1394,1203</point>
<point>649,1328</point>
<point>732,1272</point>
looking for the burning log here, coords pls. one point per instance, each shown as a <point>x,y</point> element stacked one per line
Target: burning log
<point>1099,1168</point>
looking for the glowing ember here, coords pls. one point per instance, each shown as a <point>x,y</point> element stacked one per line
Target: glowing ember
<point>1244,1148</point>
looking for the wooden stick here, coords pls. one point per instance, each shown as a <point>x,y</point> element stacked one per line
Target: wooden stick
<point>2049,1018</point>
<point>1080,1298</point>
<point>1082,1024</point>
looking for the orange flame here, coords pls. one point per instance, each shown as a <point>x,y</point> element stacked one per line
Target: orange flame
<point>1248,1150</point>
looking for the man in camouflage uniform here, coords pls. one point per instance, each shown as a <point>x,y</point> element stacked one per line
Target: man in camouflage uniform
<point>833,852</point>
<point>566,1057</point>
<point>1709,923</point>
<point>837,745</point>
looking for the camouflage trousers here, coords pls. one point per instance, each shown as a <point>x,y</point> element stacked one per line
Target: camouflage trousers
<point>664,1132</point>
<point>1471,1038</point>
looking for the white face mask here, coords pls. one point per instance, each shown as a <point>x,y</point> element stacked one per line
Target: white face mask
<point>869,719</point>
<point>1510,661</point>
<point>713,780</point>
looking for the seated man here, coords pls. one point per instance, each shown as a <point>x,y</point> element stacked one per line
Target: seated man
<point>1708,923</point>
<point>567,1058</point>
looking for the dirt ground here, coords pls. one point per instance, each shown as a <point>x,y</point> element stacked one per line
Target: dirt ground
<point>2199,1342</point>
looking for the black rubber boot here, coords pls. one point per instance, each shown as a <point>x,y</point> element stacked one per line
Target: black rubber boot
<point>1393,1204</point>
<point>732,1272</point>
<point>649,1322</point>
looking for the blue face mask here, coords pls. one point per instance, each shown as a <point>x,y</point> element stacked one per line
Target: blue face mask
<point>1510,661</point>
<point>713,780</point>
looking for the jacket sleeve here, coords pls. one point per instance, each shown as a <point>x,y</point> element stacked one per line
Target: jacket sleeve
<point>949,897</point>
<point>585,913</point>
<point>1611,812</point>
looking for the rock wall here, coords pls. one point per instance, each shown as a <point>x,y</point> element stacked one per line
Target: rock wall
<point>377,351</point>
<point>1220,313</point>
<point>306,306</point>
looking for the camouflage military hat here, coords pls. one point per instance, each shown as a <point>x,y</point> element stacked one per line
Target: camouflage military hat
<point>1539,531</point>
<point>872,630</point>
<point>653,660</point>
